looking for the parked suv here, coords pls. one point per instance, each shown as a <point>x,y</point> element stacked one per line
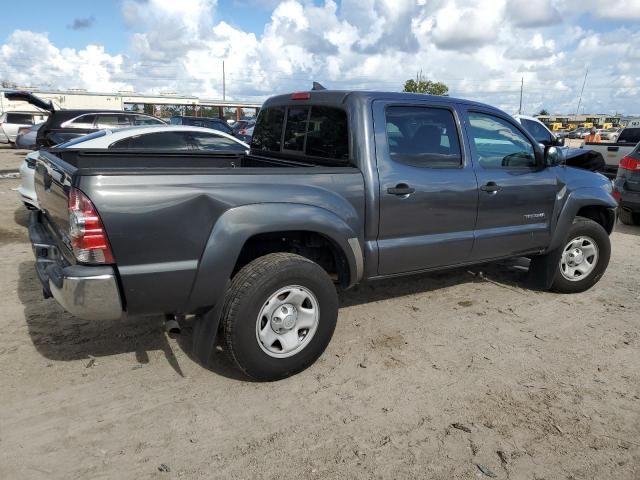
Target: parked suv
<point>627,188</point>
<point>206,122</point>
<point>64,125</point>
<point>11,122</point>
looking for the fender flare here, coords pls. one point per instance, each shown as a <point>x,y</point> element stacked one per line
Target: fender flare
<point>238,224</point>
<point>577,199</point>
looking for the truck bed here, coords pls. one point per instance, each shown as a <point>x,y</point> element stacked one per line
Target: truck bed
<point>159,209</point>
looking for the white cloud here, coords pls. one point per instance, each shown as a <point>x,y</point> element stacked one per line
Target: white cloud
<point>481,49</point>
<point>30,58</point>
<point>625,10</point>
<point>532,13</point>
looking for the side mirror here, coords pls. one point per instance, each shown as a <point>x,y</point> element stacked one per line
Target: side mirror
<point>559,142</point>
<point>552,156</point>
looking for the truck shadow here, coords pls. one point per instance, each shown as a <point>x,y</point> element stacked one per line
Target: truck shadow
<point>59,336</point>
<point>511,273</point>
<point>627,229</point>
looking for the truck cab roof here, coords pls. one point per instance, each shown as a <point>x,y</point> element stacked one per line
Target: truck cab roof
<point>338,97</point>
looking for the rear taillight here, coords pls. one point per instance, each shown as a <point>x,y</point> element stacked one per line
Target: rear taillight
<point>630,163</point>
<point>23,130</point>
<point>243,131</point>
<point>88,237</point>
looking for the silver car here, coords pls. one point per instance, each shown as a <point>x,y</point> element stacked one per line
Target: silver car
<point>10,122</point>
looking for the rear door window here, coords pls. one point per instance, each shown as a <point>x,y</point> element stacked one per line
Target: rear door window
<point>423,137</point>
<point>83,121</point>
<point>211,141</point>
<point>20,118</point>
<point>144,120</point>
<point>112,121</point>
<point>154,141</point>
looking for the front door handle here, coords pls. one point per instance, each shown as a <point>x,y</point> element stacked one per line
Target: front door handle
<point>490,187</point>
<point>401,189</point>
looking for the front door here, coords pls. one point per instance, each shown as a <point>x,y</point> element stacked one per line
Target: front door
<point>428,189</point>
<point>516,193</point>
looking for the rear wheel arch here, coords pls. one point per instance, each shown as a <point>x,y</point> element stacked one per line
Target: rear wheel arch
<point>313,245</point>
<point>226,250</point>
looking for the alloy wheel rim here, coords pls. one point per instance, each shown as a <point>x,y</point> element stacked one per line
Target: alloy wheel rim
<point>287,321</point>
<point>579,258</point>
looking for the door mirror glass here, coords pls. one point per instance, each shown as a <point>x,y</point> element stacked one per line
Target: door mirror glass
<point>559,142</point>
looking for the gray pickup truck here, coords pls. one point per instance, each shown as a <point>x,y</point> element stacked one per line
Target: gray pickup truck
<point>338,187</point>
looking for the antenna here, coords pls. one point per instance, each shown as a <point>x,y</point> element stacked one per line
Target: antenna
<point>521,87</point>
<point>580,99</point>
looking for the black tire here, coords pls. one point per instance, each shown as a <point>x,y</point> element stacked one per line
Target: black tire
<point>584,227</point>
<point>249,291</point>
<point>628,217</point>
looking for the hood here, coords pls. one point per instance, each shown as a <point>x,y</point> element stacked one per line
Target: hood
<point>21,96</point>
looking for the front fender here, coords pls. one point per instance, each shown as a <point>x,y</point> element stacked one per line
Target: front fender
<point>575,200</point>
<point>238,224</point>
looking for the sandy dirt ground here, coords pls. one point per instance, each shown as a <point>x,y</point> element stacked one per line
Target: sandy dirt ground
<point>444,376</point>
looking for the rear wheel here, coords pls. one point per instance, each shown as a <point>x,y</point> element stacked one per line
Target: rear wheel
<point>628,217</point>
<point>279,315</point>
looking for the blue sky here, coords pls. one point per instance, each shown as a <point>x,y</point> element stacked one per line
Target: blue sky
<point>108,26</point>
<point>480,48</point>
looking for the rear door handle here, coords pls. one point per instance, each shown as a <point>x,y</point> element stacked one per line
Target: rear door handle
<point>401,189</point>
<point>491,187</point>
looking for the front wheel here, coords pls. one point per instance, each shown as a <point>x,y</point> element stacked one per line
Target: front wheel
<point>584,257</point>
<point>279,315</point>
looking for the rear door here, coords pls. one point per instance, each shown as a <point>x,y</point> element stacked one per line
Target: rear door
<point>516,196</point>
<point>428,189</point>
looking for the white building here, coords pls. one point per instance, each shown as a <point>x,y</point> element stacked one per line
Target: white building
<point>158,105</point>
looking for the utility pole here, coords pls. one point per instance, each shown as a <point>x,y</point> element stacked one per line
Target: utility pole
<point>521,88</point>
<point>224,84</point>
<point>580,99</point>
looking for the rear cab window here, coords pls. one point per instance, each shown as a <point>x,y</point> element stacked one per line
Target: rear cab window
<point>312,133</point>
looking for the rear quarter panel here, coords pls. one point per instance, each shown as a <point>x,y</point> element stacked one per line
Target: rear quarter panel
<point>159,225</point>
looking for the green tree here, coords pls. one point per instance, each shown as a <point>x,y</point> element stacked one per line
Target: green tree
<point>425,86</point>
<point>543,112</point>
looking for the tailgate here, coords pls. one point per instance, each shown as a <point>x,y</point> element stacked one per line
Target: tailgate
<point>614,153</point>
<point>53,179</point>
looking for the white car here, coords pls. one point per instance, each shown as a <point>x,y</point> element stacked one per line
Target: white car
<point>10,122</point>
<point>160,137</point>
<point>27,190</point>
